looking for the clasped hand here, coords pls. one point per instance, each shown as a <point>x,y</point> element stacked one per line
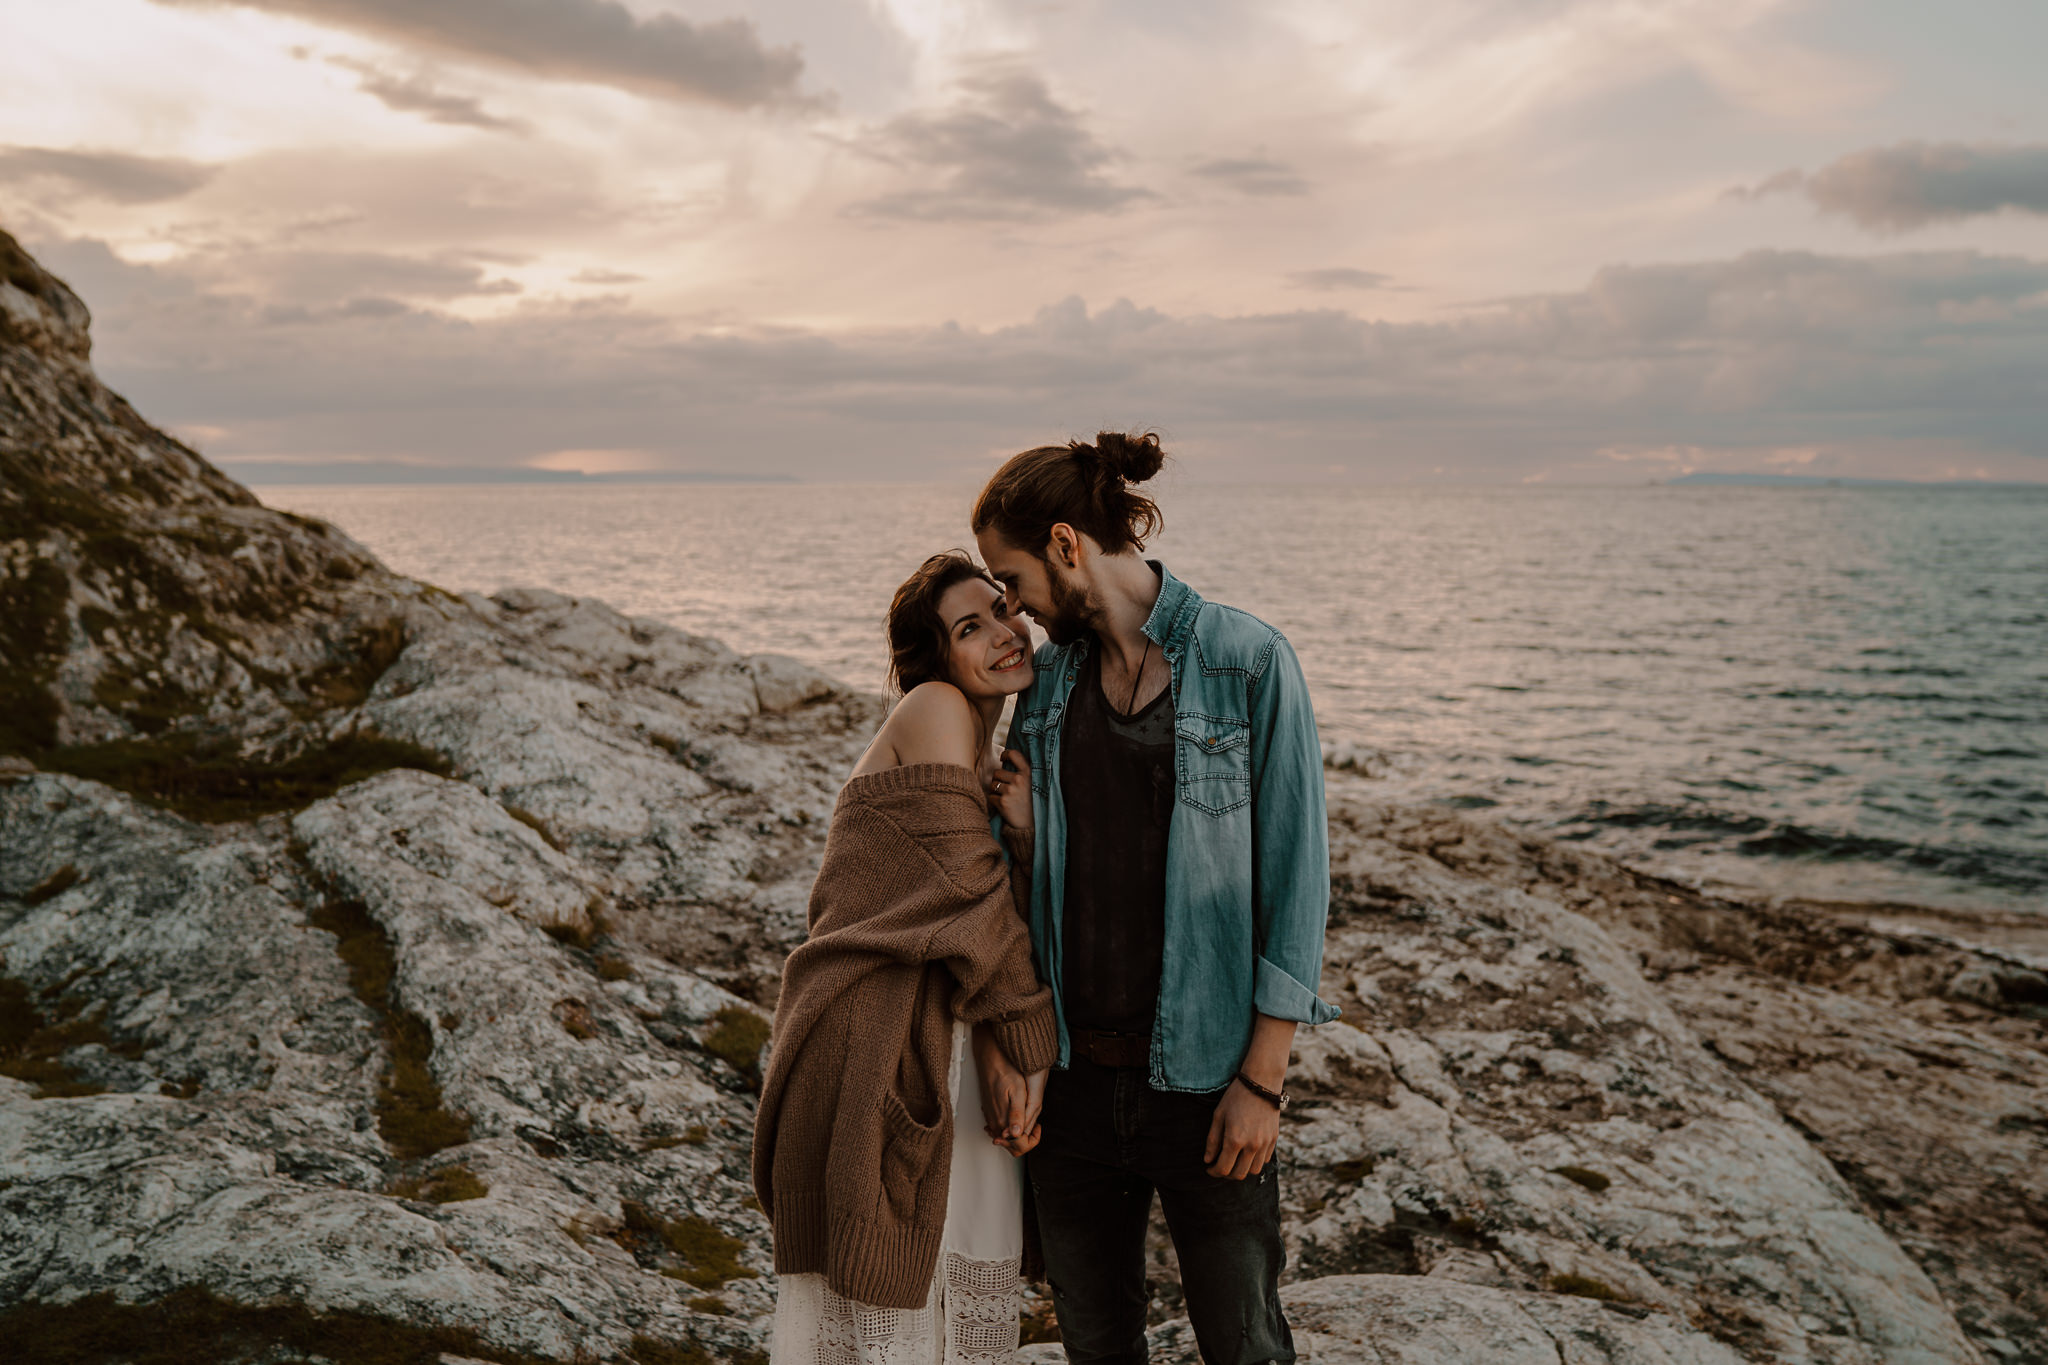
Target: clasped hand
<point>1010,1100</point>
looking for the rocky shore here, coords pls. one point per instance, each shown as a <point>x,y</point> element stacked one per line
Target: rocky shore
<point>384,973</point>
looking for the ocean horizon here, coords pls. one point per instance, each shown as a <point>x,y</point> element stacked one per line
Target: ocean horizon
<point>1836,695</point>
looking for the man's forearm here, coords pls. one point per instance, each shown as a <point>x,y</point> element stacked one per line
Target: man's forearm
<point>1265,1061</point>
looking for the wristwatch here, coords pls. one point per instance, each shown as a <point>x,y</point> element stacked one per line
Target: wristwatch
<point>1279,1099</point>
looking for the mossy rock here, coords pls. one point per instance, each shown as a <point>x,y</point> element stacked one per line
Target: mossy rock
<point>708,1256</point>
<point>736,1038</point>
<point>1584,1287</point>
<point>182,774</point>
<point>193,1326</point>
<point>446,1185</point>
<point>32,1046</point>
<point>1580,1176</point>
<point>411,1117</point>
<point>652,1351</point>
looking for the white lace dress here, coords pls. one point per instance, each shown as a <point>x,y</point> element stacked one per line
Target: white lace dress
<point>970,1315</point>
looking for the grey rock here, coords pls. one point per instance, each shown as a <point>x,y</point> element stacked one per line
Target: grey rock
<point>1403,1320</point>
<point>1774,1133</point>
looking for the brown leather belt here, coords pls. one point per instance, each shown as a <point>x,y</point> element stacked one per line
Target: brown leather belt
<point>1107,1047</point>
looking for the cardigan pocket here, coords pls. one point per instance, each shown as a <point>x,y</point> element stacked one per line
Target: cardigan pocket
<point>907,1150</point>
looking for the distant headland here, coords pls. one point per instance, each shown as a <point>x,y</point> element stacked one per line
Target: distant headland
<point>271,473</point>
<point>1825,481</point>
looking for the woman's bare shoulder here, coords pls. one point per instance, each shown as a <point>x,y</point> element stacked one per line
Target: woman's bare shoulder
<point>934,723</point>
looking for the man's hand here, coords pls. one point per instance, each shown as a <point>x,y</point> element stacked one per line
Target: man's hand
<point>1246,1128</point>
<point>1242,1136</point>
<point>1010,1100</point>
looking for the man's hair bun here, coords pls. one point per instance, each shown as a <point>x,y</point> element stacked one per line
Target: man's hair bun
<point>1086,487</point>
<point>1132,457</point>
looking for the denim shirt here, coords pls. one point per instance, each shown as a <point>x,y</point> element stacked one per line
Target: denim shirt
<point>1247,855</point>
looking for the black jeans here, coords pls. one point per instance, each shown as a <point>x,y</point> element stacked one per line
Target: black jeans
<point>1109,1141</point>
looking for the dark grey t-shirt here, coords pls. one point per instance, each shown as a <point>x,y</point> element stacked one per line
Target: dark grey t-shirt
<point>1117,780</point>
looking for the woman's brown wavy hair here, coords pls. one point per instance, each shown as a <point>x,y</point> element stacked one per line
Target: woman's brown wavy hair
<point>918,639</point>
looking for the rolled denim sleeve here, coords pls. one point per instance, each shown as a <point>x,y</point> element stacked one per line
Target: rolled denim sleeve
<point>1291,844</point>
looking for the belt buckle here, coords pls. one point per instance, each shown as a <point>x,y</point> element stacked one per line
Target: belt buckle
<point>1111,1048</point>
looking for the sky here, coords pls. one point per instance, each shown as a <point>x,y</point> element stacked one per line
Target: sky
<point>1377,241</point>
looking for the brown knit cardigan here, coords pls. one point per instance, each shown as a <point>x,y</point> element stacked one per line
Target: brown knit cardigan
<point>913,925</point>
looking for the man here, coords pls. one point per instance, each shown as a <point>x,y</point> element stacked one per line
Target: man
<point>1179,893</point>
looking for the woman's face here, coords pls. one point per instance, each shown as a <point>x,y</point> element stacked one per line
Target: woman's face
<point>988,651</point>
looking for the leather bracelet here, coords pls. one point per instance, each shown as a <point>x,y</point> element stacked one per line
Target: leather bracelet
<point>1279,1099</point>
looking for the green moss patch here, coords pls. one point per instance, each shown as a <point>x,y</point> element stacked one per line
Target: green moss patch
<point>696,1135</point>
<point>193,1326</point>
<point>181,774</point>
<point>536,824</point>
<point>1579,1175</point>
<point>410,1113</point>
<point>706,1257</point>
<point>54,885</point>
<point>1584,1287</point>
<point>371,652</point>
<point>32,639</point>
<point>651,1351</point>
<point>32,1047</point>
<point>447,1185</point>
<point>736,1038</point>
<point>576,1020</point>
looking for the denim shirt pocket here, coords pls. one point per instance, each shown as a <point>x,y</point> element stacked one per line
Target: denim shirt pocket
<point>1215,758</point>
<point>1032,730</point>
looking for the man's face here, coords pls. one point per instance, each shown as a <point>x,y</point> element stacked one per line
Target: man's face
<point>1037,588</point>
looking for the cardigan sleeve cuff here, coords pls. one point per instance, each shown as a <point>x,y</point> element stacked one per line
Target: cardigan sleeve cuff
<point>1031,1041</point>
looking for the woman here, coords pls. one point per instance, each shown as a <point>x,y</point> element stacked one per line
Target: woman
<point>899,1232</point>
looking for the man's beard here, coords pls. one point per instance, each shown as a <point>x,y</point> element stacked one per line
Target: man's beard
<point>1072,614</point>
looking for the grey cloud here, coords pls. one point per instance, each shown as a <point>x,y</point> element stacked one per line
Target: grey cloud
<point>1917,183</point>
<point>418,95</point>
<point>314,279</point>
<point>117,176</point>
<point>487,194</point>
<point>601,276</point>
<point>723,62</point>
<point>1338,277</point>
<point>1254,175</point>
<point>1005,148</point>
<point>1763,351</point>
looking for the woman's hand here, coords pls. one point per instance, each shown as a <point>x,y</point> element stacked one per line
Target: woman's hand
<point>1010,1100</point>
<point>1009,794</point>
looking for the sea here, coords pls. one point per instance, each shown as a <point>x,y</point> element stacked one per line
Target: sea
<point>1835,693</point>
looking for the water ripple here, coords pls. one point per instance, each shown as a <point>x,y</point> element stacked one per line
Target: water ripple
<point>1833,691</point>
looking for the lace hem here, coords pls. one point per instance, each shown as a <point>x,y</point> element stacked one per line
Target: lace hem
<point>969,1318</point>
